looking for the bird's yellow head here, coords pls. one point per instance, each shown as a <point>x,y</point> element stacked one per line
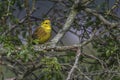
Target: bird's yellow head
<point>47,21</point>
<point>46,24</point>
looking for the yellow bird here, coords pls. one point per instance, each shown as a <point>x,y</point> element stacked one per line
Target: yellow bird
<point>42,33</point>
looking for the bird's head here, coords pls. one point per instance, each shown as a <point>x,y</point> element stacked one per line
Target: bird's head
<point>46,24</point>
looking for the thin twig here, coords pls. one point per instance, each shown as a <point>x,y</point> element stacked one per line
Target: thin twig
<point>14,26</point>
<point>100,61</point>
<point>111,24</point>
<point>75,64</point>
<point>26,3</point>
<point>116,4</point>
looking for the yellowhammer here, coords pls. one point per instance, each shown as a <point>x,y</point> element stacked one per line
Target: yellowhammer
<point>42,33</point>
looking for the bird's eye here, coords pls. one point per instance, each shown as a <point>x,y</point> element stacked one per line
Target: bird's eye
<point>46,23</point>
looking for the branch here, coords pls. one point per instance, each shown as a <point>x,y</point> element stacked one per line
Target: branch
<point>75,64</point>
<point>13,26</point>
<point>28,13</point>
<point>67,24</point>
<point>112,24</point>
<point>103,64</point>
<point>50,47</point>
<point>116,4</point>
<point>64,48</point>
<point>99,72</point>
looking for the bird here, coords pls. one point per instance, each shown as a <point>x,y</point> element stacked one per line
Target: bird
<point>42,33</point>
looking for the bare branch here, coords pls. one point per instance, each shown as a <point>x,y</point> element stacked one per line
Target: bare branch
<point>100,61</point>
<point>14,26</point>
<point>75,64</point>
<point>67,24</point>
<point>63,48</point>
<point>116,4</point>
<point>112,24</point>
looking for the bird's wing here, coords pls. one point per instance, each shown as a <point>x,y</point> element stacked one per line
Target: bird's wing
<point>38,33</point>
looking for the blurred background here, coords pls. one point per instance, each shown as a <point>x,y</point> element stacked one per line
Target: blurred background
<point>18,19</point>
